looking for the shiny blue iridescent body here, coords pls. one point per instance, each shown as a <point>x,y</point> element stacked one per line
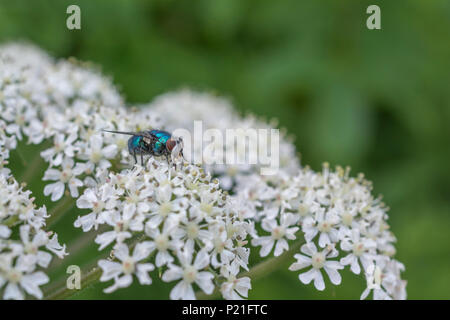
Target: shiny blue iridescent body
<point>153,142</point>
<point>160,143</point>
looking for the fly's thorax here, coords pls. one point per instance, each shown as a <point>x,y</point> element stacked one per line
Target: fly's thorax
<point>147,140</point>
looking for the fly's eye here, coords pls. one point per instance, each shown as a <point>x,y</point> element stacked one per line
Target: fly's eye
<point>170,144</point>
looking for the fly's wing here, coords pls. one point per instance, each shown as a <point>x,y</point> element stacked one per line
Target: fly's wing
<point>148,137</point>
<point>145,134</point>
<point>123,132</point>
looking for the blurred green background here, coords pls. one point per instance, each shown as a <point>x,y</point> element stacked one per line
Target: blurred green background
<point>377,100</point>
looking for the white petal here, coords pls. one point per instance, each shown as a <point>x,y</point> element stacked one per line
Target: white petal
<point>43,258</point>
<point>356,269</point>
<point>365,293</point>
<point>204,281</point>
<point>121,251</point>
<point>86,222</point>
<point>110,269</point>
<point>302,262</point>
<point>308,276</point>
<point>334,275</point>
<point>87,199</point>
<point>281,246</point>
<point>105,239</point>
<point>32,282</point>
<point>309,249</point>
<point>110,151</point>
<point>174,273</point>
<point>324,240</point>
<point>51,174</point>
<point>182,290</point>
<point>348,259</point>
<point>96,142</point>
<point>162,258</point>
<point>12,291</point>
<point>55,189</point>
<point>121,282</point>
<point>142,250</point>
<point>201,260</point>
<point>318,281</point>
<point>4,232</point>
<point>128,211</point>
<point>266,245</point>
<point>142,271</point>
<point>243,286</point>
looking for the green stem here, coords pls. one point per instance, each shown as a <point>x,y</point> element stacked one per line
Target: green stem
<point>260,270</point>
<point>63,292</point>
<point>31,169</point>
<point>59,210</point>
<point>21,157</point>
<point>92,277</point>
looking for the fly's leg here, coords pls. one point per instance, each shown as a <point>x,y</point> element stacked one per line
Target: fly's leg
<point>169,162</point>
<point>168,166</point>
<point>167,159</point>
<point>142,159</point>
<point>134,155</point>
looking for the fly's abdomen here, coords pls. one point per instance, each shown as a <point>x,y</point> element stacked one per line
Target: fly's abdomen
<point>134,144</point>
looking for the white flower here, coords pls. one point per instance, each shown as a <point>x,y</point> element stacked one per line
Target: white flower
<point>96,153</point>
<point>324,223</point>
<point>206,205</point>
<point>68,175</point>
<point>32,247</point>
<point>223,247</point>
<point>123,223</point>
<point>162,242</point>
<point>279,234</point>
<point>98,202</point>
<point>122,271</point>
<point>189,273</point>
<point>373,277</point>
<point>318,261</point>
<point>234,288</point>
<point>62,146</point>
<point>305,205</point>
<point>362,250</point>
<point>163,205</point>
<point>21,277</point>
<point>54,246</point>
<point>192,228</point>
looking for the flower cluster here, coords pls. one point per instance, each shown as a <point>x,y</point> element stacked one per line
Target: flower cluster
<point>334,214</point>
<point>23,257</point>
<point>337,218</point>
<point>178,219</point>
<point>172,217</point>
<point>180,216</point>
